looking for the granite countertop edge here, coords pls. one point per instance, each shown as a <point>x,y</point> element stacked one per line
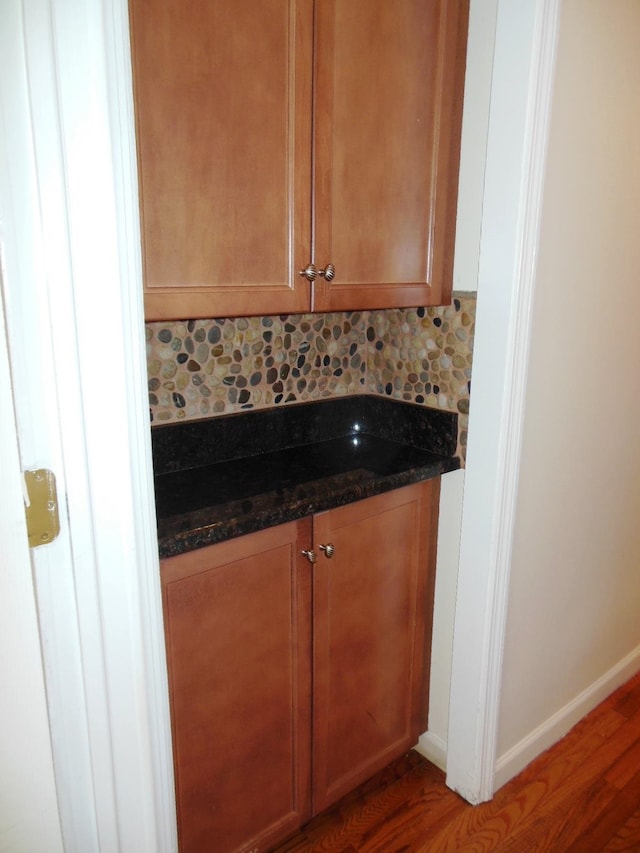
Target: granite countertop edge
<point>184,529</point>
<point>178,542</point>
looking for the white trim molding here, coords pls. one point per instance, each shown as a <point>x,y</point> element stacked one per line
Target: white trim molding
<point>524,61</point>
<point>556,727</point>
<point>433,748</point>
<point>76,328</point>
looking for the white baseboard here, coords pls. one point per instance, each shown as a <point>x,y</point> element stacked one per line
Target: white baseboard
<point>556,727</point>
<point>434,749</point>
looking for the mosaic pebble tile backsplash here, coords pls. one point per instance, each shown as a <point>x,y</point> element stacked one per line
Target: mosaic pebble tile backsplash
<point>200,368</point>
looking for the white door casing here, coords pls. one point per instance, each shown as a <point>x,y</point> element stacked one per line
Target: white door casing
<point>75,328</point>
<point>521,91</point>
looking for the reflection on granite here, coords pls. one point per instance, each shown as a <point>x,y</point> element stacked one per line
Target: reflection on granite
<point>226,476</point>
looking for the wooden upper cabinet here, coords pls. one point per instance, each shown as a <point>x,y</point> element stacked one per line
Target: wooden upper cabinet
<point>223,119</point>
<point>278,133</point>
<point>388,111</point>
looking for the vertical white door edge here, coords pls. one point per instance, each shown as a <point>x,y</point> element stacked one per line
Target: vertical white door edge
<point>29,818</point>
<point>75,328</point>
<point>524,60</point>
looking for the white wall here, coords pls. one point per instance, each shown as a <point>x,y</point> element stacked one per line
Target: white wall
<point>573,618</point>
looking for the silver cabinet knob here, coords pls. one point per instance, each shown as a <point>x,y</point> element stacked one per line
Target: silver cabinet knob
<point>328,272</point>
<point>310,555</point>
<point>328,549</point>
<point>309,272</point>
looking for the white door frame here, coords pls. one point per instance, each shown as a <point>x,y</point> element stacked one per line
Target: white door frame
<point>76,339</point>
<point>524,61</point>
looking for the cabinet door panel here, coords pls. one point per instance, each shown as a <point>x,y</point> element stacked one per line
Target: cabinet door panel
<point>373,602</point>
<point>237,619</point>
<point>223,114</point>
<point>388,102</point>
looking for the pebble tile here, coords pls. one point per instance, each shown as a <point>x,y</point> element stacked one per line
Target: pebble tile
<point>225,365</point>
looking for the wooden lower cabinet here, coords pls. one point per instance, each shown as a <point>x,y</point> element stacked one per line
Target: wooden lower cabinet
<point>290,681</point>
<point>238,634</point>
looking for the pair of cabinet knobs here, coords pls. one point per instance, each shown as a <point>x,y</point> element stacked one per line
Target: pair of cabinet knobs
<point>329,551</point>
<point>310,272</point>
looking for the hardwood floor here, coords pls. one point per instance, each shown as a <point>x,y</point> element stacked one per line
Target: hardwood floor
<point>583,795</point>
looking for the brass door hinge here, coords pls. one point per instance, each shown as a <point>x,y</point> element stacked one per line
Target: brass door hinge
<point>41,507</point>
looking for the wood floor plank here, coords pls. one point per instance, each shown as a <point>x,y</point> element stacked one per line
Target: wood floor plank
<point>623,771</point>
<point>604,827</point>
<point>559,829</point>
<point>627,838</point>
<point>424,812</point>
<point>628,702</point>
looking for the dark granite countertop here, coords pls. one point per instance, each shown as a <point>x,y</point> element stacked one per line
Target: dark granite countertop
<point>226,476</point>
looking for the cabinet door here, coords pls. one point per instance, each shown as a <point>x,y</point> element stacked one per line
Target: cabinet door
<point>373,603</point>
<point>389,83</point>
<point>237,620</point>
<point>223,120</point>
